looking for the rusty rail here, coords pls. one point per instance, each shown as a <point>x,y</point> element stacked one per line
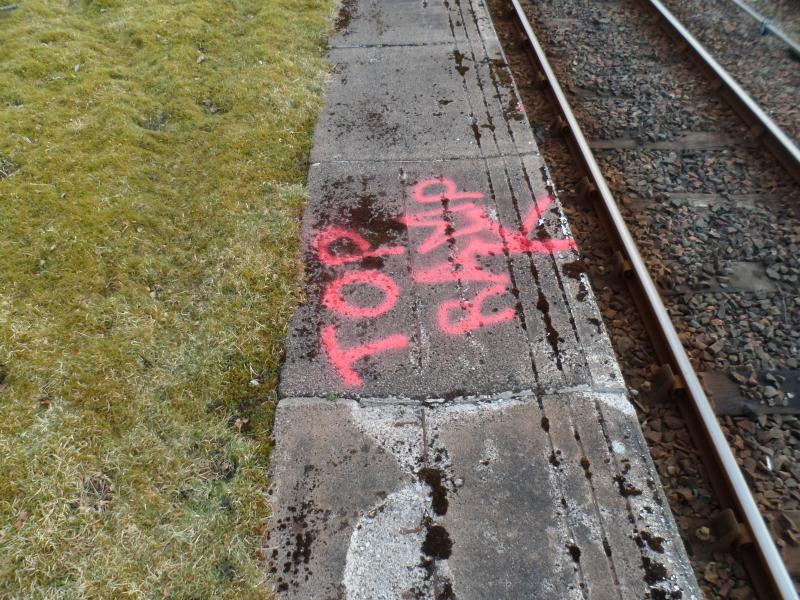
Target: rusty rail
<point>745,523</point>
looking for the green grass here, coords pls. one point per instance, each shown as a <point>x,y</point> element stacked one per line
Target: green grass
<point>152,168</point>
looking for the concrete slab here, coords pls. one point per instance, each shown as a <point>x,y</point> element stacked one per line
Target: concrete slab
<point>517,496</point>
<point>397,22</point>
<point>482,304</point>
<point>378,108</point>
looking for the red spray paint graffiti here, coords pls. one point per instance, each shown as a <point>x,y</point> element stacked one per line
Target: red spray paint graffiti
<point>343,359</point>
<point>484,237</point>
<point>334,300</point>
<point>474,317</point>
<point>324,240</point>
<point>471,235</point>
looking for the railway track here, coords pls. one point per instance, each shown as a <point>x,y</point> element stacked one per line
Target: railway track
<point>764,64</point>
<point>701,233</point>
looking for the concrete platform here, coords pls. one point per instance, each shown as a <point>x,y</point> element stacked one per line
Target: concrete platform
<point>453,422</point>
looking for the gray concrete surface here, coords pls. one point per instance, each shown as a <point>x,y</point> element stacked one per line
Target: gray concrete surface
<point>453,422</point>
<point>396,23</point>
<point>510,496</point>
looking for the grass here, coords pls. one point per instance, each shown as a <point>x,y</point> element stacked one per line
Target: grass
<point>152,168</point>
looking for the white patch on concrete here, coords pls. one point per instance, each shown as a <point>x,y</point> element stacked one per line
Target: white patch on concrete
<point>618,402</point>
<point>384,555</point>
<point>489,455</point>
<point>383,559</point>
<point>451,412</point>
<point>397,429</point>
<point>425,346</point>
<point>557,535</point>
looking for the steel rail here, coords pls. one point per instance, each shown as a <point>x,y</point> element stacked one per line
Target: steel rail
<point>762,125</point>
<point>768,26</point>
<point>744,504</point>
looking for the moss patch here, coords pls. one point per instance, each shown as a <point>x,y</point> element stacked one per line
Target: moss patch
<point>152,168</point>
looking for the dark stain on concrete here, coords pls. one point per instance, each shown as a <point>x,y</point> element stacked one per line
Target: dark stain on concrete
<point>625,488</point>
<point>654,571</point>
<point>434,477</point>
<point>459,58</point>
<point>575,268</point>
<point>654,542</point>
<point>437,544</point>
<point>586,467</point>
<point>346,13</point>
<point>574,552</point>
<point>552,334</point>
